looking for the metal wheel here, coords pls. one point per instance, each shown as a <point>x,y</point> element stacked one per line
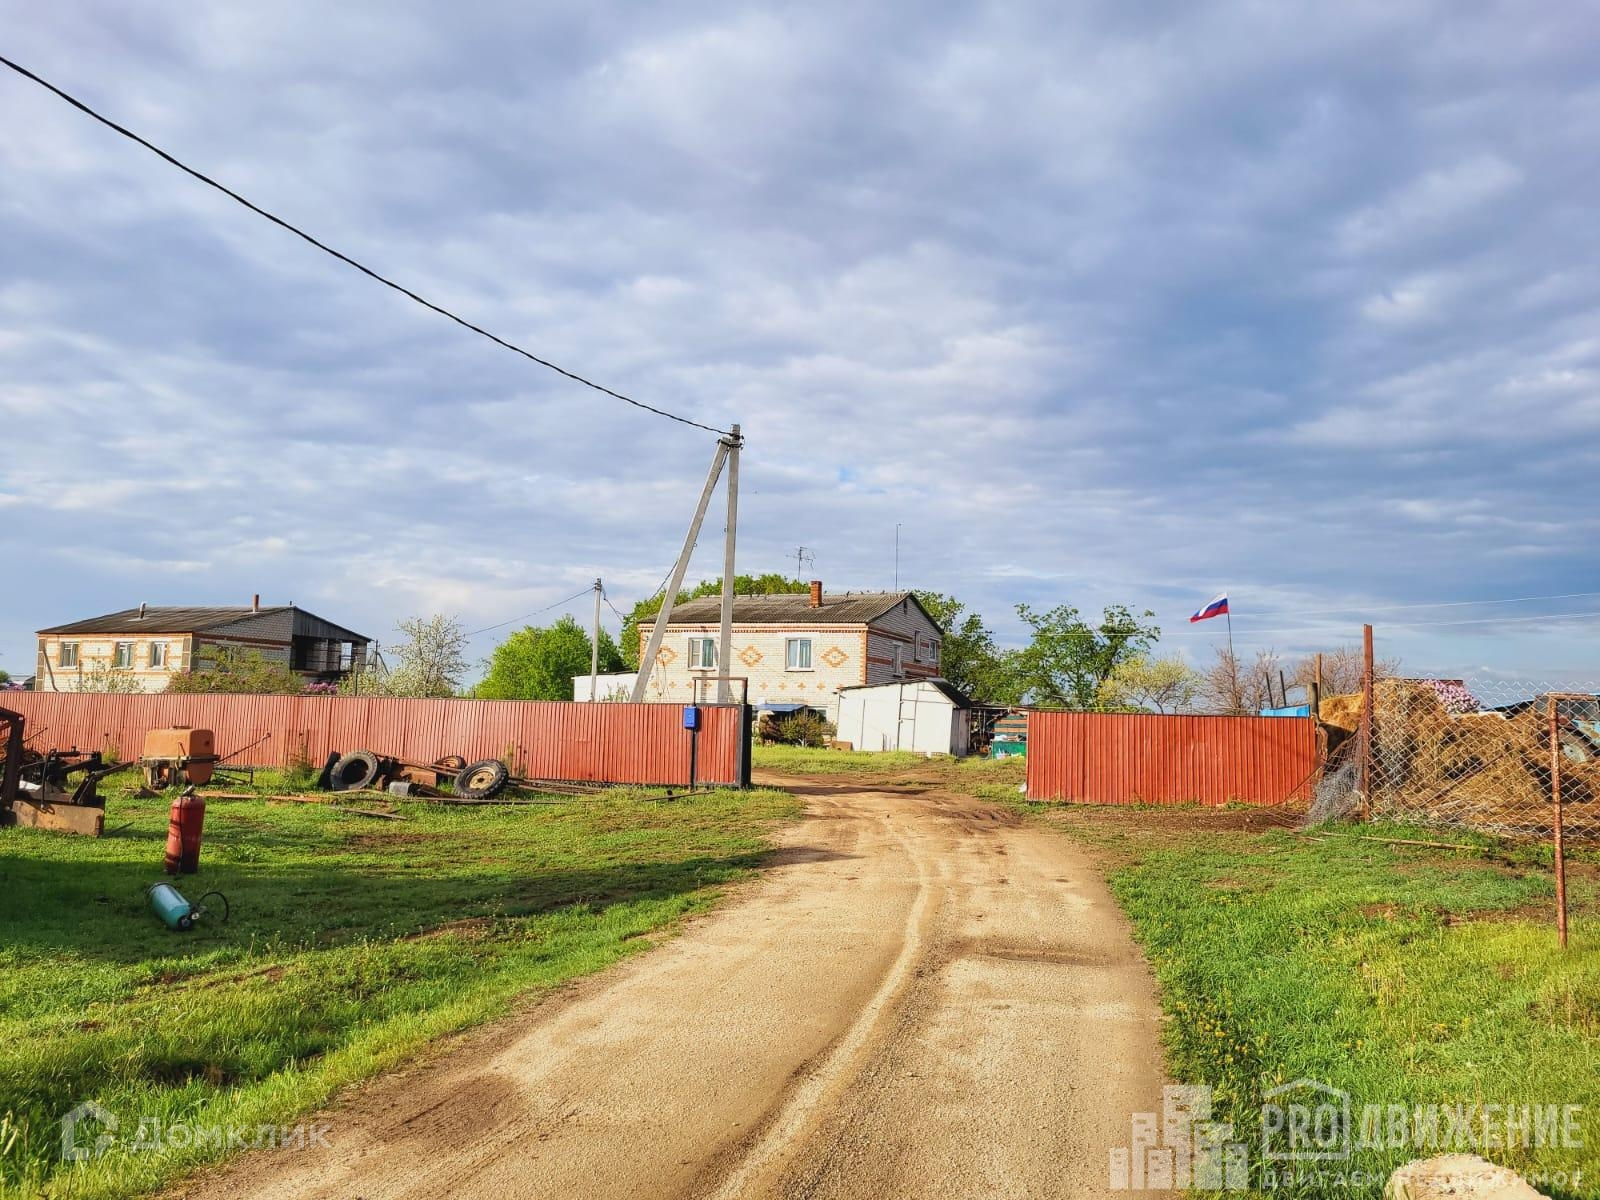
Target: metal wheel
<point>483,780</point>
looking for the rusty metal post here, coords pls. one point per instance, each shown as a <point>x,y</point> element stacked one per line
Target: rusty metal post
<point>1555,798</point>
<point>1367,722</point>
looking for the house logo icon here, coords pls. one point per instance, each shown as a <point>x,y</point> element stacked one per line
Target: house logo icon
<point>78,1125</point>
<point>1305,1120</point>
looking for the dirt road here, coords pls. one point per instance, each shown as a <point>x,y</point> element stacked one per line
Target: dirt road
<point>924,997</point>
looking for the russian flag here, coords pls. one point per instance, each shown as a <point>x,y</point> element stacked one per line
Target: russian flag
<point>1216,608</point>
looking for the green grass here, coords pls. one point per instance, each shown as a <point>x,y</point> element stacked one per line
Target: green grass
<point>966,773</point>
<point>353,942</point>
<point>1405,975</point>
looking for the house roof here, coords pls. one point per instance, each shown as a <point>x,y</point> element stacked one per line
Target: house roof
<point>945,688</point>
<point>184,619</point>
<point>838,608</point>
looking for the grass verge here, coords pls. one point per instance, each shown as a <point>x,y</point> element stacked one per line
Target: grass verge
<point>352,943</point>
<point>1401,975</point>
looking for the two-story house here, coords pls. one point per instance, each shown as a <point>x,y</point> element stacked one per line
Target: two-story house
<point>149,644</point>
<point>797,649</point>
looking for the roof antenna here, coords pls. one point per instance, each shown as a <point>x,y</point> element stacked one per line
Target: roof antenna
<point>802,559</point>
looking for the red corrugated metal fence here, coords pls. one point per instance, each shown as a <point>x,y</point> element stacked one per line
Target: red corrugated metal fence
<point>606,743</point>
<point>1116,758</point>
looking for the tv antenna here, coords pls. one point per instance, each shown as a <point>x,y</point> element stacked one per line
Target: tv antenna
<point>802,559</point>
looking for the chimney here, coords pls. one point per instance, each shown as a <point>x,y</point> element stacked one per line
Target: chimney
<point>816,593</point>
<point>141,610</point>
<point>255,602</point>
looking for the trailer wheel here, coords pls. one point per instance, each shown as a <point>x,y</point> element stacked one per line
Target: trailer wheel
<point>354,771</point>
<point>483,780</point>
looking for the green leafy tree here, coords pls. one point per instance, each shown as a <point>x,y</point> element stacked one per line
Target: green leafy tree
<point>968,657</point>
<point>743,585</point>
<point>538,664</point>
<point>1067,660</point>
<point>1163,685</point>
<point>229,669</point>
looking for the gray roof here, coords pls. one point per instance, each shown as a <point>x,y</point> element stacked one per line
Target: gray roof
<point>181,619</point>
<point>846,608</point>
<point>949,690</point>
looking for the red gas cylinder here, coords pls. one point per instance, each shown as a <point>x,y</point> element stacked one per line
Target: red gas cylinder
<point>183,834</point>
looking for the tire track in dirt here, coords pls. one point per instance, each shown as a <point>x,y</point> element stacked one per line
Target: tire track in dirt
<point>921,995</point>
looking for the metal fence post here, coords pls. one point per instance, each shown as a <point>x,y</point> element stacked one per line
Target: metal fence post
<point>1368,721</point>
<point>1555,798</point>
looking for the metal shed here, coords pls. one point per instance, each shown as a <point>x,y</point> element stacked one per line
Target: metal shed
<point>929,716</point>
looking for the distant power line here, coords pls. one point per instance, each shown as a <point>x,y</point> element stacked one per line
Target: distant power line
<point>1371,608</point>
<point>1546,617</point>
<point>530,616</point>
<point>346,259</point>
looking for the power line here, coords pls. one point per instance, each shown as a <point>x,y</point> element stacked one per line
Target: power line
<point>1549,617</point>
<point>530,616</point>
<point>346,259</point>
<point>1361,608</point>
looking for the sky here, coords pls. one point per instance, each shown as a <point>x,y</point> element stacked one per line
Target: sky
<point>1096,303</point>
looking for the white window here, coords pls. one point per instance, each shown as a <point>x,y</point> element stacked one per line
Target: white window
<point>797,654</point>
<point>933,651</point>
<point>123,658</point>
<point>158,654</point>
<point>899,658</point>
<point>702,654</point>
<point>69,654</point>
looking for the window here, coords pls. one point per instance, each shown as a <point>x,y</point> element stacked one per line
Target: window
<point>158,654</point>
<point>797,654</point>
<point>933,651</point>
<point>123,658</point>
<point>702,654</point>
<point>899,659</point>
<point>69,654</point>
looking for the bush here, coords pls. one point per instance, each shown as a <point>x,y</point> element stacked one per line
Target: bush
<point>803,728</point>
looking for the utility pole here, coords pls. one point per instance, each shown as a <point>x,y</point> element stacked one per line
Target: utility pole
<point>897,525</point>
<point>730,537</point>
<point>594,647</point>
<point>647,661</point>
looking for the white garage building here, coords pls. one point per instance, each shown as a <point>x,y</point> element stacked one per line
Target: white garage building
<point>929,716</point>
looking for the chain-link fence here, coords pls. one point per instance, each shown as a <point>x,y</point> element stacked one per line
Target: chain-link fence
<point>1500,756</point>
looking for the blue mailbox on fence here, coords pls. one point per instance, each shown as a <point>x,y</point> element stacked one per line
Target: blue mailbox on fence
<point>691,716</point>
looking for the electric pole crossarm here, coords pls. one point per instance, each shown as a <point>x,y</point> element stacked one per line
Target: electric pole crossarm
<point>647,661</point>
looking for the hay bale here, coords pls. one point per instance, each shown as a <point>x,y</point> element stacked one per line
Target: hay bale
<point>1342,712</point>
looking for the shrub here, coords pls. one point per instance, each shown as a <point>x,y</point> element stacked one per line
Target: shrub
<point>803,728</point>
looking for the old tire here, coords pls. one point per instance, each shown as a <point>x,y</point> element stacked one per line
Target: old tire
<point>452,763</point>
<point>482,780</point>
<point>354,771</point>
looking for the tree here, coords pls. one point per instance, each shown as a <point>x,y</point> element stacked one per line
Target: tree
<point>1163,685</point>
<point>1067,661</point>
<point>1341,670</point>
<point>429,661</point>
<point>743,585</point>
<point>968,658</point>
<point>228,669</point>
<point>103,677</point>
<point>538,664</point>
<point>1232,687</point>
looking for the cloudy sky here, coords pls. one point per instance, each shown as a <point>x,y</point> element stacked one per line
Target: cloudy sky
<point>1098,302</point>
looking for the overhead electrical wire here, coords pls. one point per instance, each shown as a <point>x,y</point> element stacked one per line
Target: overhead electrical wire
<point>530,616</point>
<point>1247,632</point>
<point>347,260</point>
<point>1363,608</point>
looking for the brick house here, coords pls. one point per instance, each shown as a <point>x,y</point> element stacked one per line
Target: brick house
<point>798,649</point>
<point>152,643</point>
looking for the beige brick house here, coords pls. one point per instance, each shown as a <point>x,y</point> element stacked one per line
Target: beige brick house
<point>798,649</point>
<point>149,644</point>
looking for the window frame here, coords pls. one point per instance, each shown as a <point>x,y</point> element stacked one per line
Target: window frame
<point>159,653</point>
<point>789,655</point>
<point>899,660</point>
<point>120,651</point>
<point>62,653</point>
<point>700,647</point>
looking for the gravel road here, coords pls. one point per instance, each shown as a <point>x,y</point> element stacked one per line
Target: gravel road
<point>924,996</point>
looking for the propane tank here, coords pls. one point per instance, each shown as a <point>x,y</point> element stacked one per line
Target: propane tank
<point>171,907</point>
<point>184,824</point>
